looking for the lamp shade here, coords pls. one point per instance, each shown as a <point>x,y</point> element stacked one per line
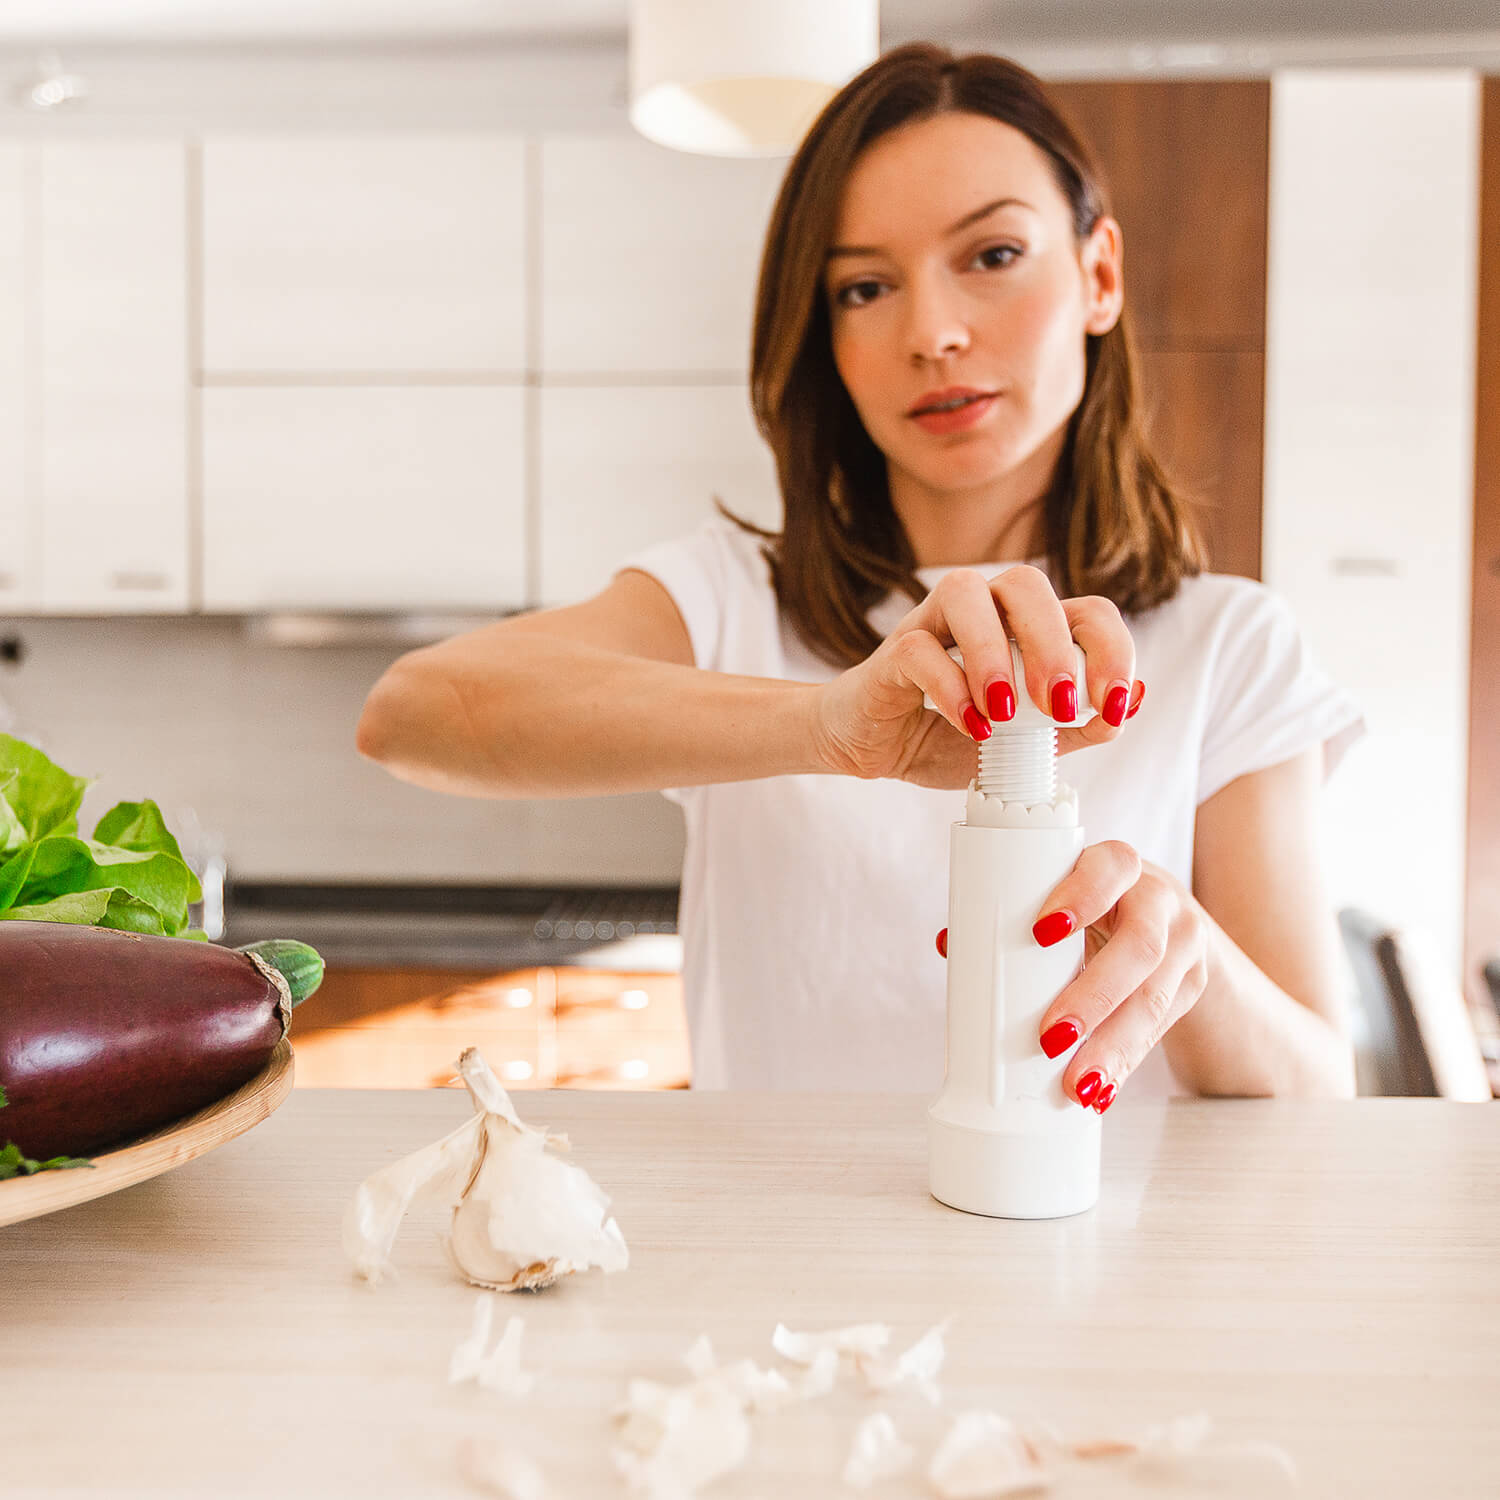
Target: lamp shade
<point>743,77</point>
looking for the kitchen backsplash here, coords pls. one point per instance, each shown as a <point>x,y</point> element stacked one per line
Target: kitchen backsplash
<point>258,741</point>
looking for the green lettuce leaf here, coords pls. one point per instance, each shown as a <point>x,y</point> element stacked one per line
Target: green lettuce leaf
<point>43,797</point>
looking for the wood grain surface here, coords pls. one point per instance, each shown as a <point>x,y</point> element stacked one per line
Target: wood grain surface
<point>1321,1275</point>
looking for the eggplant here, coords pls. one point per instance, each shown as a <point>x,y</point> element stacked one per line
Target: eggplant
<point>105,1035</point>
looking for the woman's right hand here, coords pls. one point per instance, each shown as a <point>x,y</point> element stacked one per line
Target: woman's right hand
<point>870,720</point>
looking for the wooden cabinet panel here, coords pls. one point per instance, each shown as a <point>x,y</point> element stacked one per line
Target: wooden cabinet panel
<point>1187,166</point>
<point>405,1028</point>
<point>621,1030</point>
<point>622,467</point>
<point>649,257</point>
<point>391,252</point>
<point>537,1028</point>
<point>1482,935</point>
<point>112,246</point>
<point>410,1058</point>
<point>376,498</point>
<point>629,1060</point>
<point>17,567</point>
<point>380,998</point>
<point>1201,404</point>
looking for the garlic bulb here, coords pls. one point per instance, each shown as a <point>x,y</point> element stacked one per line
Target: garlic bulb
<point>521,1216</point>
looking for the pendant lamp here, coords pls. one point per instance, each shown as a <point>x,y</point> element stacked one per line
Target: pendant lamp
<point>743,77</point>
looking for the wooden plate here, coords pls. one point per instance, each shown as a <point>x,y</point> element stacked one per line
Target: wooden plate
<point>234,1114</point>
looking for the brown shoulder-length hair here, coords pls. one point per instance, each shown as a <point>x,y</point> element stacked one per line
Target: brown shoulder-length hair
<point>1114,522</point>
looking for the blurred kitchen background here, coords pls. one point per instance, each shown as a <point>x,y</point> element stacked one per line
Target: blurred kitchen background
<point>331,328</point>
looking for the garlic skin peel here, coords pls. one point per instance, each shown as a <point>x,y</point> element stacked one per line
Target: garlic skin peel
<point>522,1217</point>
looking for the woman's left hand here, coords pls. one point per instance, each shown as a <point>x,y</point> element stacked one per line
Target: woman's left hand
<point>1145,965</point>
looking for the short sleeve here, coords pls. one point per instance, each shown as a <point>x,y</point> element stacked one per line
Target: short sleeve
<point>1268,699</point>
<point>693,570</point>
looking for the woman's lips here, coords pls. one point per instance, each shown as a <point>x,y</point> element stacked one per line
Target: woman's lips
<point>968,415</point>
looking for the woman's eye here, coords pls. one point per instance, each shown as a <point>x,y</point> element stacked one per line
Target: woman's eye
<point>999,255</point>
<point>847,296</point>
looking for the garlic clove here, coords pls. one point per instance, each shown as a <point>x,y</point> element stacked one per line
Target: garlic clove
<point>678,1438</point>
<point>380,1203</point>
<point>467,1357</point>
<point>920,1364</point>
<point>522,1217</point>
<point>877,1453</point>
<point>862,1339</point>
<point>1179,1450</point>
<point>504,1471</point>
<point>984,1456</point>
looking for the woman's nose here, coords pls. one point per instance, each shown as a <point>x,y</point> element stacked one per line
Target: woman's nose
<point>936,327</point>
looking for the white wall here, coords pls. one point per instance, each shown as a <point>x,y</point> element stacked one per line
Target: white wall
<point>1369,456</point>
<point>259,741</point>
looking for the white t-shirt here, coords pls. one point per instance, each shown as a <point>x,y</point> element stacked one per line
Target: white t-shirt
<point>810,905</point>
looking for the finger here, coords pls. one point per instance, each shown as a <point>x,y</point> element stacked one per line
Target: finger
<point>1095,731</point>
<point>1134,950</point>
<point>1126,1036</point>
<point>973,619</point>
<point>919,659</point>
<point>1034,615</point>
<point>1098,626</point>
<point>1099,877</point>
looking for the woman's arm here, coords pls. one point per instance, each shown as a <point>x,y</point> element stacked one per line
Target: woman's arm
<point>502,714</point>
<point>1271,1019</point>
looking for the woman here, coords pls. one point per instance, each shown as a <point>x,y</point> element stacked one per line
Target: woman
<point>942,369</point>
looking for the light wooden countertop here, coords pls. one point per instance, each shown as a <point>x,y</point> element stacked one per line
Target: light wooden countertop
<point>1324,1276</point>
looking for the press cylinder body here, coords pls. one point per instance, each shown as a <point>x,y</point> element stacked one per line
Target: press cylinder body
<point>1004,1140</point>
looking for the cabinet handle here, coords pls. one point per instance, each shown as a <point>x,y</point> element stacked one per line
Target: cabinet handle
<point>633,1070</point>
<point>633,999</point>
<point>138,582</point>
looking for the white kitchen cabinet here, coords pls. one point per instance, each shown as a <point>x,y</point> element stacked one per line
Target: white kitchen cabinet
<point>648,256</point>
<point>363,498</point>
<point>622,466</point>
<point>17,538</point>
<point>112,378</point>
<point>1369,456</point>
<point>391,253</point>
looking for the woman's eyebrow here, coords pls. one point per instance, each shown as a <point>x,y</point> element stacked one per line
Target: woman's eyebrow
<point>963,223</point>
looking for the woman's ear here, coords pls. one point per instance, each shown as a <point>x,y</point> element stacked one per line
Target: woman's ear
<point>1102,259</point>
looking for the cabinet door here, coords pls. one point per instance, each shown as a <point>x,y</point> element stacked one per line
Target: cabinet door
<point>406,1028</point>
<point>625,466</point>
<point>113,376</point>
<point>383,253</point>
<point>17,586</point>
<point>371,498</point>
<point>649,257</point>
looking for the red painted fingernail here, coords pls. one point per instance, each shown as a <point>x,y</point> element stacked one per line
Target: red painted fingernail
<point>1088,1086</point>
<point>1064,700</point>
<point>1001,698</point>
<point>1057,1039</point>
<point>1116,701</point>
<point>974,722</point>
<point>1053,928</point>
<point>943,942</point>
<point>1105,1099</point>
<point>1138,698</point>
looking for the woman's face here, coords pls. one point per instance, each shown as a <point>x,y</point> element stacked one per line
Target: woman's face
<point>954,264</point>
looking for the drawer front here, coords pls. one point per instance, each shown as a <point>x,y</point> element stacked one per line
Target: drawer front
<point>378,999</point>
<point>595,1001</point>
<point>400,1057</point>
<point>646,1060</point>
